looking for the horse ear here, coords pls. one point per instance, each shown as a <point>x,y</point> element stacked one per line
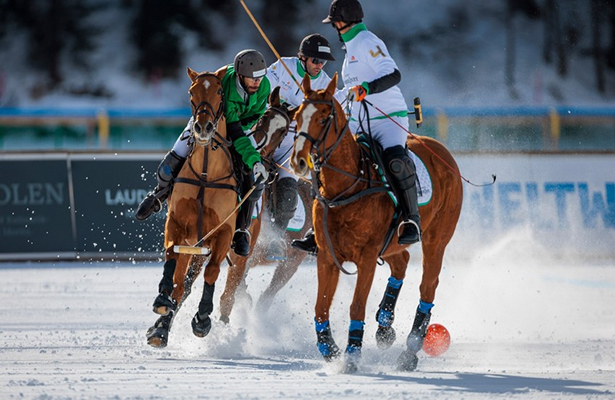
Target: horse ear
<point>192,74</point>
<point>274,97</point>
<point>332,86</point>
<point>306,84</point>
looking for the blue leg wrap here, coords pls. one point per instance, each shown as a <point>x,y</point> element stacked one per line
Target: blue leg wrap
<point>326,344</point>
<point>385,314</point>
<point>355,336</point>
<point>424,307</point>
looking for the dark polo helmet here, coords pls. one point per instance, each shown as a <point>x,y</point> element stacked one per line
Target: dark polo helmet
<point>250,63</point>
<point>344,10</point>
<point>315,46</point>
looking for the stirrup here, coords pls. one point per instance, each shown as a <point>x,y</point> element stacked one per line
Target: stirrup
<point>400,232</point>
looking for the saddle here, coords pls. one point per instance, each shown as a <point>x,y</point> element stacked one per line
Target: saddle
<point>373,151</point>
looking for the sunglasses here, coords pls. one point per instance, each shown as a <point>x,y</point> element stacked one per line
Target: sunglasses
<point>318,61</point>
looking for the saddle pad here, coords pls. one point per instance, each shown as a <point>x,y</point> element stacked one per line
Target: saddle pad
<point>425,188</point>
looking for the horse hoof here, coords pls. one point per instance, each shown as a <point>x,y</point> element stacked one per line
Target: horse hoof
<point>163,305</point>
<point>157,337</point>
<point>224,319</point>
<point>201,326</point>
<point>385,337</point>
<point>350,367</point>
<point>407,361</point>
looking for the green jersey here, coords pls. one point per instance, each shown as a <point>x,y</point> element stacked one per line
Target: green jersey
<point>246,112</point>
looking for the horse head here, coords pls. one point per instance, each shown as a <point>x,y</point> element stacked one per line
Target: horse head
<point>207,100</point>
<point>320,122</point>
<point>273,125</point>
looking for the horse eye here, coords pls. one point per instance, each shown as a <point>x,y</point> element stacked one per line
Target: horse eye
<point>323,121</point>
<point>219,91</point>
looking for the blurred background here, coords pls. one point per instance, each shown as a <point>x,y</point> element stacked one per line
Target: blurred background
<point>499,75</point>
<point>524,89</point>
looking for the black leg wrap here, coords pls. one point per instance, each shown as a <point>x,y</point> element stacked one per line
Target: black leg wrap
<point>166,283</point>
<point>158,334</point>
<point>164,303</point>
<point>201,323</point>
<point>408,359</point>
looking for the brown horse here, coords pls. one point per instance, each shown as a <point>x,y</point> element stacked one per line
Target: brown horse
<point>201,200</point>
<point>351,218</point>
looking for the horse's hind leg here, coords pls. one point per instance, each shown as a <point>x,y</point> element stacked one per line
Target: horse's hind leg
<point>234,278</point>
<point>285,270</point>
<point>385,335</point>
<point>433,253</point>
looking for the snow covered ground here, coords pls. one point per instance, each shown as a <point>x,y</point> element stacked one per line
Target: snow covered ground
<point>533,330</point>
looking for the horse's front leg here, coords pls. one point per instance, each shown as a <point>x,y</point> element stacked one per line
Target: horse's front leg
<point>201,322</point>
<point>328,277</point>
<point>365,277</point>
<point>170,297</point>
<point>385,335</point>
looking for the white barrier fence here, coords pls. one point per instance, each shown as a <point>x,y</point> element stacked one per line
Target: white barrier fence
<point>557,204</point>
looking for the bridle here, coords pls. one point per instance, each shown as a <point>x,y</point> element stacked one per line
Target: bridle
<point>318,158</point>
<point>260,145</point>
<point>205,107</point>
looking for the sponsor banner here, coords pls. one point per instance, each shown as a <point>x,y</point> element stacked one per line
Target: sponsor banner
<point>35,208</point>
<point>108,190</point>
<point>563,203</point>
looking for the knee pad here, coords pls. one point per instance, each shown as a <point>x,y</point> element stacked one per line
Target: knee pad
<point>286,197</point>
<point>401,167</point>
<point>169,168</point>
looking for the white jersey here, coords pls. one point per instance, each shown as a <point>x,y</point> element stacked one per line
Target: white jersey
<point>367,59</point>
<point>289,91</point>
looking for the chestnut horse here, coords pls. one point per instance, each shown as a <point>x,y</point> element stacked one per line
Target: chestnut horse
<point>351,218</point>
<point>204,194</point>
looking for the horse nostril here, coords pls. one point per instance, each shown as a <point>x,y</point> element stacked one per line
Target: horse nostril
<point>209,127</point>
<point>197,127</point>
<point>302,164</point>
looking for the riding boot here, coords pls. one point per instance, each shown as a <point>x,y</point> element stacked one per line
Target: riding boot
<point>167,171</point>
<point>241,238</point>
<point>307,244</point>
<point>285,204</point>
<point>402,177</point>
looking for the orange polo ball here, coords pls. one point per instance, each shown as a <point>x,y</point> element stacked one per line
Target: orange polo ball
<point>437,340</point>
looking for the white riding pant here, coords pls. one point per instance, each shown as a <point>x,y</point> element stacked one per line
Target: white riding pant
<point>385,131</point>
<point>282,154</point>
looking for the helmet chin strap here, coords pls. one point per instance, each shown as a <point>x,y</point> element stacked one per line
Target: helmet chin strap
<point>339,31</point>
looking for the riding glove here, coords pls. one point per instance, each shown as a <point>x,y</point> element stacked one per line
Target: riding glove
<point>359,92</point>
<point>260,172</point>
